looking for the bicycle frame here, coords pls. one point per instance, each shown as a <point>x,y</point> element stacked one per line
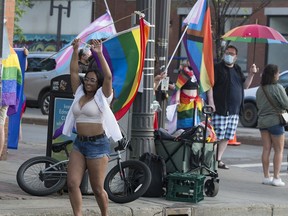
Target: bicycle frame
<point>117,155</point>
<point>51,171</point>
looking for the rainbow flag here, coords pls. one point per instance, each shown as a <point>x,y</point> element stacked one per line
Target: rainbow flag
<point>198,44</point>
<point>15,119</point>
<point>182,78</point>
<point>102,27</point>
<point>125,54</point>
<point>11,82</point>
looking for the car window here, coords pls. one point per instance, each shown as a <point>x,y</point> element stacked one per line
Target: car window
<point>283,80</point>
<point>40,64</point>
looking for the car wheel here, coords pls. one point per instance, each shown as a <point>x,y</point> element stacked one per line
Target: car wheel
<point>44,104</point>
<point>249,115</point>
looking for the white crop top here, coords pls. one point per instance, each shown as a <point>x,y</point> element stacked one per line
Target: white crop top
<point>89,113</point>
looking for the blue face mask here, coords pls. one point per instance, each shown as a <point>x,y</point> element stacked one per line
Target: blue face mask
<point>228,59</point>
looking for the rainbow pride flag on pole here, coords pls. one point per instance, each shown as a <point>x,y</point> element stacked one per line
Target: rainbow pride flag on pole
<point>198,44</point>
<point>102,27</point>
<point>125,54</point>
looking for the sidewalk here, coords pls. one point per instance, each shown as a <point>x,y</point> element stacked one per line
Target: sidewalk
<point>240,192</point>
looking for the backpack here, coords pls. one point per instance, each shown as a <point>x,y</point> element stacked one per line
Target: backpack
<point>157,165</point>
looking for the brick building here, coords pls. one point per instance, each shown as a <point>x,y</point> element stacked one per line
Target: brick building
<point>9,16</point>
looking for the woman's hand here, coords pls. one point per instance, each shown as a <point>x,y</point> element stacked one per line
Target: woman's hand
<point>253,69</point>
<point>97,46</point>
<point>76,43</point>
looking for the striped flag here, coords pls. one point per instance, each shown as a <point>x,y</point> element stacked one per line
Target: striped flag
<point>198,44</point>
<point>125,54</point>
<point>11,81</point>
<point>102,27</point>
<point>182,78</point>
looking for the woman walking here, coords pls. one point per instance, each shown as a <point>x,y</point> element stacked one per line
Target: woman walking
<point>271,100</point>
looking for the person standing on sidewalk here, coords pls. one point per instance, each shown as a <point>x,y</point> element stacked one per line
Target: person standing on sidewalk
<point>3,115</point>
<point>271,100</point>
<point>95,122</point>
<point>226,98</point>
<point>83,60</point>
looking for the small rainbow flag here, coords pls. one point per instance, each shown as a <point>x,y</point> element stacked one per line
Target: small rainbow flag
<point>182,78</point>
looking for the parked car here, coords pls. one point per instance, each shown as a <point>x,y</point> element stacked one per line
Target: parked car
<point>249,116</point>
<point>40,71</point>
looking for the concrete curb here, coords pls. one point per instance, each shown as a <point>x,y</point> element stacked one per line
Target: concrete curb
<point>37,121</point>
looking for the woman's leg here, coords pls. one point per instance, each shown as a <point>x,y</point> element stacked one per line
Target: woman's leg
<point>266,142</point>
<point>97,172</point>
<point>76,169</point>
<point>278,146</point>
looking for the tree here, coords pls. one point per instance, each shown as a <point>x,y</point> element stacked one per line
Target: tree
<point>228,9</point>
<point>19,11</point>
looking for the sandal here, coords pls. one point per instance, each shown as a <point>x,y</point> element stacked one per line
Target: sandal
<point>222,165</point>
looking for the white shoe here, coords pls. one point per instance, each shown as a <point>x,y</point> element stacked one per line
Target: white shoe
<point>267,181</point>
<point>278,182</point>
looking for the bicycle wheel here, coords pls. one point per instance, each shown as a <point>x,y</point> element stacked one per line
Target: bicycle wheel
<point>36,178</point>
<point>128,184</point>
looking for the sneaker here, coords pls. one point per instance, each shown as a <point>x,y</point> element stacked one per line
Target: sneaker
<point>278,182</point>
<point>267,181</point>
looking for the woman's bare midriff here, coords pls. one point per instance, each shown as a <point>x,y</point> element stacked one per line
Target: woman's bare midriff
<point>190,92</point>
<point>89,129</point>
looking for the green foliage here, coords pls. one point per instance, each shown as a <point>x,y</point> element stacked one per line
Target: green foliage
<point>20,9</point>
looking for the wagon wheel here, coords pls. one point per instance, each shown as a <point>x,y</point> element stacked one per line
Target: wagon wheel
<point>211,187</point>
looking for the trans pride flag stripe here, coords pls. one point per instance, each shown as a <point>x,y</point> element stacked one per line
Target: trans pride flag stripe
<point>102,27</point>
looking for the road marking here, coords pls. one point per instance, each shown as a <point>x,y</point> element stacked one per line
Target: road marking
<point>255,165</point>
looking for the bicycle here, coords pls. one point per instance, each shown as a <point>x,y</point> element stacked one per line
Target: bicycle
<point>125,182</point>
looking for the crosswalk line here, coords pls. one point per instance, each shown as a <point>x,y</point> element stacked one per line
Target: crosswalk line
<point>255,165</point>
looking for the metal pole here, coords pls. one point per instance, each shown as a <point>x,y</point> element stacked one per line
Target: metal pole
<point>2,9</point>
<point>60,7</point>
<point>142,132</point>
<point>59,21</point>
<point>162,34</point>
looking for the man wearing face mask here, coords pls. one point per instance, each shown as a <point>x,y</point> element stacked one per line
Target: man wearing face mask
<point>226,98</point>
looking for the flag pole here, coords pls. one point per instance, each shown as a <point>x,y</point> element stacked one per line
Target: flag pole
<point>135,12</point>
<point>185,30</point>
<point>106,5</point>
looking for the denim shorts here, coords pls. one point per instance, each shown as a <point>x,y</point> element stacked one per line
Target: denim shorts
<point>93,149</point>
<point>274,130</point>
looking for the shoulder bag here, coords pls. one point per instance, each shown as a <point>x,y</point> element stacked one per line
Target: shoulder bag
<point>282,116</point>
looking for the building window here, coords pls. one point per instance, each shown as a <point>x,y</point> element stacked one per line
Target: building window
<point>277,53</point>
